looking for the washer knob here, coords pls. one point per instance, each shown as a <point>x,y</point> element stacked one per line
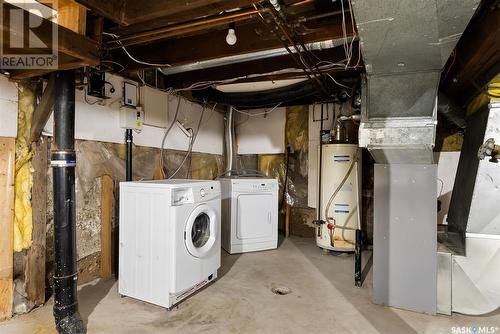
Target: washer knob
<point>202,192</point>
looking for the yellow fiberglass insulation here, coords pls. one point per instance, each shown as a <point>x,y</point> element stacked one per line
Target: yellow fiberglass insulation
<point>23,223</point>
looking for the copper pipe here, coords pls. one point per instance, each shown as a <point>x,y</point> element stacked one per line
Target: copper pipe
<point>183,28</point>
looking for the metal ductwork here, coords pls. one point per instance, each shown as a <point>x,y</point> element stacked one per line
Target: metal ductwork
<point>230,142</point>
<point>469,265</point>
<point>216,62</point>
<point>405,44</point>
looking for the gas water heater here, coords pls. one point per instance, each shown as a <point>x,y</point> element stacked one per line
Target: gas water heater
<point>339,200</point>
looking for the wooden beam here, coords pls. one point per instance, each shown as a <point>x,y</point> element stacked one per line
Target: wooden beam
<point>477,55</point>
<point>71,15</point>
<point>145,10</point>
<point>106,226</point>
<point>29,73</point>
<point>35,257</point>
<point>43,110</point>
<point>251,37</point>
<point>70,44</point>
<point>7,166</point>
<point>111,9</point>
<point>211,9</point>
<point>184,29</point>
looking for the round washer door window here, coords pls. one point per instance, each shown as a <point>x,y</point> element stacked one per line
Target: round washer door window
<point>201,231</point>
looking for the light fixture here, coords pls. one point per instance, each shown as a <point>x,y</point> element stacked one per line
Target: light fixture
<point>231,36</point>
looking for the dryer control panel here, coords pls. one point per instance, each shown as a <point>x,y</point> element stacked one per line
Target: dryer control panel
<point>255,185</point>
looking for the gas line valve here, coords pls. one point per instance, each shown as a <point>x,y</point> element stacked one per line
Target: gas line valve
<point>489,148</point>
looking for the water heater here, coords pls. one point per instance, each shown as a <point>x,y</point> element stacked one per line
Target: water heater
<point>339,205</point>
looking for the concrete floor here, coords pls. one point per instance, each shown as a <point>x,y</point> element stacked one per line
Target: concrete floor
<point>323,300</point>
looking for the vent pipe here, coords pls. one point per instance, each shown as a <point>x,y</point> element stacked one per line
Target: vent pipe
<point>63,163</point>
<point>230,141</point>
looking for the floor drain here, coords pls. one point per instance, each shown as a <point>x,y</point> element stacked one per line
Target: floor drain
<point>281,290</point>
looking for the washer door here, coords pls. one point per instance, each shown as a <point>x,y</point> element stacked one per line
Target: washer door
<point>201,231</point>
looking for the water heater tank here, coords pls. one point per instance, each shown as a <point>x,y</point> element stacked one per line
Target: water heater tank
<point>338,233</point>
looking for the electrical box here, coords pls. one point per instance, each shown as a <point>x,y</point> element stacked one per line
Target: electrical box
<point>130,94</point>
<point>155,105</point>
<point>131,118</point>
<point>96,83</point>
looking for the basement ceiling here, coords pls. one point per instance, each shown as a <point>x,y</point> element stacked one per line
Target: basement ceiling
<point>184,38</point>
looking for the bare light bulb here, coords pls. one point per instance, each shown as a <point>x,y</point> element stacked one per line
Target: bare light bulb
<point>231,37</point>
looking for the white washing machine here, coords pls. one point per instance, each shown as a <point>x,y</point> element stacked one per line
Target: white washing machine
<point>249,214</point>
<point>169,239</point>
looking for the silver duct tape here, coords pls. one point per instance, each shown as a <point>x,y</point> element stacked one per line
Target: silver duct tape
<point>63,163</point>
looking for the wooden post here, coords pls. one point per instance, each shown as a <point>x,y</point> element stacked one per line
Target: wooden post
<point>106,228</point>
<point>7,163</point>
<point>287,220</point>
<point>35,257</point>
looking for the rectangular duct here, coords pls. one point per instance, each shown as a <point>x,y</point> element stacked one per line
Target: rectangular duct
<point>405,44</point>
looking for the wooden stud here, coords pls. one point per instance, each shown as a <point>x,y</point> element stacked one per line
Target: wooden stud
<point>7,165</point>
<point>43,110</point>
<point>35,257</point>
<point>106,226</point>
<point>287,220</point>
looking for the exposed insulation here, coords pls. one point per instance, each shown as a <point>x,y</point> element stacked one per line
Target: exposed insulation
<point>206,167</point>
<point>23,223</point>
<point>273,165</point>
<point>297,118</point>
<point>297,128</point>
<point>483,99</point>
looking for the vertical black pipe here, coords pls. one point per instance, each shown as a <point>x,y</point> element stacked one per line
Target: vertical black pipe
<point>129,140</point>
<point>319,221</point>
<point>320,167</point>
<point>63,162</point>
<point>357,259</point>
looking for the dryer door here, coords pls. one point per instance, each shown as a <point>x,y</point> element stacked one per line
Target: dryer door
<point>255,217</point>
<point>201,231</point>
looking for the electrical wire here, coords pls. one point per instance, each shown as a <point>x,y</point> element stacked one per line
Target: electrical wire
<point>122,68</point>
<point>132,57</point>
<point>442,187</point>
<point>162,147</point>
<point>190,148</point>
<point>86,99</point>
<point>242,173</point>
<point>266,112</point>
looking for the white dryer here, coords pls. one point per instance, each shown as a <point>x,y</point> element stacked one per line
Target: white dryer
<point>249,214</point>
<point>169,239</point>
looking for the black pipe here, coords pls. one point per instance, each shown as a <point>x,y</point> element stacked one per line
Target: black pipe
<point>357,259</point>
<point>320,163</point>
<point>63,162</point>
<point>129,140</point>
